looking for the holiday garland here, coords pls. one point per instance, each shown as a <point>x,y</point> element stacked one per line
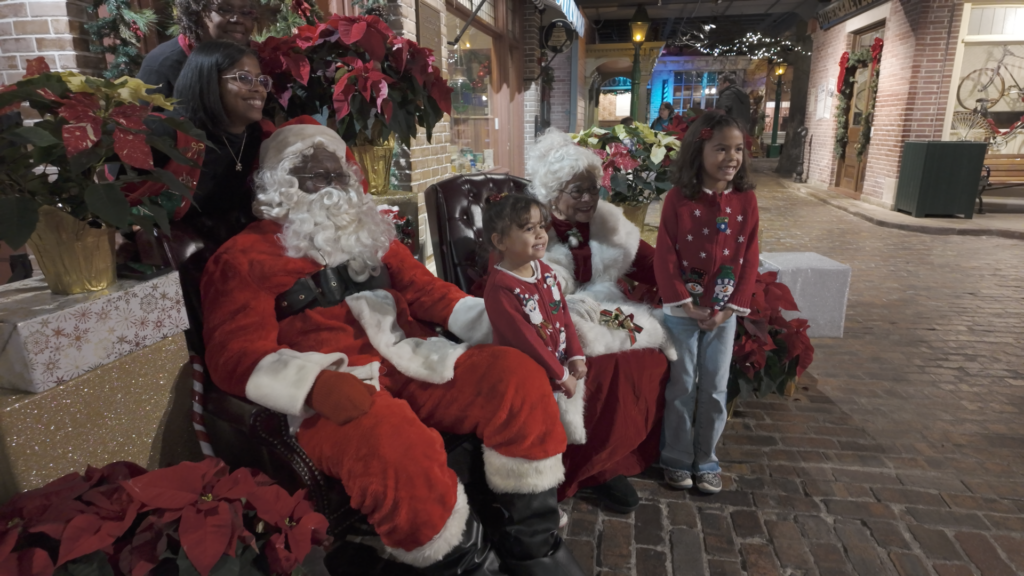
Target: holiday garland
<point>849,64</point>
<point>126,28</point>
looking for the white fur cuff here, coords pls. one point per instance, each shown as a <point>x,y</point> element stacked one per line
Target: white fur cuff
<point>445,540</point>
<point>675,309</point>
<point>282,380</point>
<point>510,475</point>
<point>469,321</point>
<point>737,310</point>
<point>570,410</point>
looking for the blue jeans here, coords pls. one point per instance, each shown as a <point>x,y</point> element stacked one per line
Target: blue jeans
<point>695,397</point>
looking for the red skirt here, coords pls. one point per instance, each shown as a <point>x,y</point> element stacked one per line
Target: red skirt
<point>625,399</point>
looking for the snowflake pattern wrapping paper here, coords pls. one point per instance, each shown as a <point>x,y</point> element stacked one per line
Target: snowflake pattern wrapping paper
<point>46,340</point>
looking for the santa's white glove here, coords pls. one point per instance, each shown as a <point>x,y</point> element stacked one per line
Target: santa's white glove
<point>583,307</point>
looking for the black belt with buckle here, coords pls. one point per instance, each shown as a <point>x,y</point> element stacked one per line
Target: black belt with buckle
<point>325,288</point>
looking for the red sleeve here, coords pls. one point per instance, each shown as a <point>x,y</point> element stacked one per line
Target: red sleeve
<point>239,324</point>
<point>430,299</point>
<point>751,261</point>
<point>513,329</point>
<point>572,341</point>
<point>643,265</point>
<point>666,261</point>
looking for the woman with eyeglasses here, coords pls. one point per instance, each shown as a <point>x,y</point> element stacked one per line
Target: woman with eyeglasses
<point>230,114</point>
<point>198,21</point>
<point>592,247</point>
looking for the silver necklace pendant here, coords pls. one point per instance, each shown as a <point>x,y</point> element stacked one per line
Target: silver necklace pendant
<point>238,167</point>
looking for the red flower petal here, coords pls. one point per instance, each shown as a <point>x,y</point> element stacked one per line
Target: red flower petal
<point>36,66</point>
<point>175,487</point>
<point>205,535</point>
<point>30,562</point>
<point>132,149</point>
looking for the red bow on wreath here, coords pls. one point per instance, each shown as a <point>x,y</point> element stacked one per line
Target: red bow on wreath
<point>876,51</point>
<point>621,321</point>
<point>843,61</point>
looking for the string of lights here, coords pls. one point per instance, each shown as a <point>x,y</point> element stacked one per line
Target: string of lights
<point>753,44</point>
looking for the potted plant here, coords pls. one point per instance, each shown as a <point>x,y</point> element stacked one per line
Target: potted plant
<point>769,352</point>
<point>372,85</point>
<point>635,161</point>
<point>188,519</point>
<point>71,179</point>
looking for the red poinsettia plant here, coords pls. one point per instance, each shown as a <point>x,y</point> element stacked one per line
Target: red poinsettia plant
<point>370,80</point>
<point>192,518</point>
<point>769,350</point>
<point>90,147</point>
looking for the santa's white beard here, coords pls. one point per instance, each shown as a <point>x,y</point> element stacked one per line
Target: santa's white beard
<point>339,226</point>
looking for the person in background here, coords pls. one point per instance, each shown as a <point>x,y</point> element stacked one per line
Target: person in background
<point>199,21</point>
<point>734,101</point>
<point>627,121</point>
<point>665,113</point>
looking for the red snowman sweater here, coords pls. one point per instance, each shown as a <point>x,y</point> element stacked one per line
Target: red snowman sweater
<point>530,314</point>
<point>707,250</point>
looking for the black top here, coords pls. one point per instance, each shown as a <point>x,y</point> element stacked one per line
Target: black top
<point>222,203</point>
<point>162,66</point>
<point>736,103</point>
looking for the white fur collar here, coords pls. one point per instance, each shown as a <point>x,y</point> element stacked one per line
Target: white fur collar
<point>614,241</point>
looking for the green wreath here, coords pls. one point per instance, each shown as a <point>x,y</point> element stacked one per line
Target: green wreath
<point>857,60</point>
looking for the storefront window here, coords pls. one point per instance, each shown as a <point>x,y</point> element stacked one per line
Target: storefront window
<point>695,89</point>
<point>470,66</point>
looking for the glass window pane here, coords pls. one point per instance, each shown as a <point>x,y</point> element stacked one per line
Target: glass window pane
<point>469,74</point>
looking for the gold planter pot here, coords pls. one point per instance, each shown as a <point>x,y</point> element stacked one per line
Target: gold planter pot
<point>636,214</point>
<point>74,257</point>
<point>375,160</point>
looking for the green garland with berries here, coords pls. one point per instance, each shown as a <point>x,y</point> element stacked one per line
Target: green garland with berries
<point>856,61</point>
<point>126,27</point>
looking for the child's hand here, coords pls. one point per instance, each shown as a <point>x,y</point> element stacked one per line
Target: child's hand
<point>578,368</point>
<point>715,321</point>
<point>696,312</point>
<point>568,387</point>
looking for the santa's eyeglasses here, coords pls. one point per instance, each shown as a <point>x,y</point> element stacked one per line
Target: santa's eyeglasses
<point>248,81</point>
<point>229,12</point>
<point>324,179</point>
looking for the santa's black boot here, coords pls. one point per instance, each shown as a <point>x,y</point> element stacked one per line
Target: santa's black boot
<point>473,556</point>
<point>529,543</point>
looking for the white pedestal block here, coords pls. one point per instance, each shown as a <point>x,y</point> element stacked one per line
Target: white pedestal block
<point>820,287</point>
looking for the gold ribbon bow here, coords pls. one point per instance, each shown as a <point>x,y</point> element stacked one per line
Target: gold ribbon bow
<point>621,321</point>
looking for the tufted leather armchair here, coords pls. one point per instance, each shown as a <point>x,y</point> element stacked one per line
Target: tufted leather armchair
<point>454,211</point>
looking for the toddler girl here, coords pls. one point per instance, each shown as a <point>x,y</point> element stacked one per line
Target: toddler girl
<point>706,263</point>
<point>525,306</point>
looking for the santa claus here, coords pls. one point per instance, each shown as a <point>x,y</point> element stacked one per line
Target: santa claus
<point>317,312</point>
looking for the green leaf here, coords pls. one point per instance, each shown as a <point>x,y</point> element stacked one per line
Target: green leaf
<point>159,215</point>
<point>18,218</point>
<point>185,567</point>
<point>172,182</point>
<point>108,203</point>
<point>226,566</point>
<point>183,125</point>
<point>95,564</point>
<point>170,150</point>
<point>84,161</point>
<point>31,135</point>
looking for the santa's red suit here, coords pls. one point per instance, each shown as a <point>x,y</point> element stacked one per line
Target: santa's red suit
<point>389,456</point>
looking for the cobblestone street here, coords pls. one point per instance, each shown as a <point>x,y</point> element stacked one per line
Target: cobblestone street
<point>903,451</point>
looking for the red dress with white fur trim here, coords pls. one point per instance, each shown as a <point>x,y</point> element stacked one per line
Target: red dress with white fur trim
<point>390,460</point>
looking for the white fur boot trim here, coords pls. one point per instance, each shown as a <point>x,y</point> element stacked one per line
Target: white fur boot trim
<point>445,540</point>
<point>510,475</point>
<point>571,412</point>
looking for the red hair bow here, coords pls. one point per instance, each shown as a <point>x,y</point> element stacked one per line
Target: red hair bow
<point>706,134</point>
<point>496,197</point>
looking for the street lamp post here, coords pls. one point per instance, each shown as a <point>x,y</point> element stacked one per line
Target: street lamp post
<point>638,25</point>
<point>775,148</point>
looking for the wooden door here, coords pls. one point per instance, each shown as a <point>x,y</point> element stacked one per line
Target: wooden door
<point>850,173</point>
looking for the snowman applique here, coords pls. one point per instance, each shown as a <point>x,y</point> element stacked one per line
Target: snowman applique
<point>725,285</point>
<point>556,298</point>
<point>694,282</point>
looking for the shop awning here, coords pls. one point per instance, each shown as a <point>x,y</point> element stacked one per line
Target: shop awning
<point>568,7</point>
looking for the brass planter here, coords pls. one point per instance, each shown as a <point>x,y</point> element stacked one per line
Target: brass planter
<point>375,160</point>
<point>636,214</point>
<point>73,256</point>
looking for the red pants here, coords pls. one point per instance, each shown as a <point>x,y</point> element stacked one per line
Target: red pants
<point>393,464</point>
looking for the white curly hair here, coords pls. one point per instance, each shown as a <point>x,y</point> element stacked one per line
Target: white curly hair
<point>337,224</point>
<point>554,160</point>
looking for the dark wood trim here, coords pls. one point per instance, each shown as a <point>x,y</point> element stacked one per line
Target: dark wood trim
<point>464,13</point>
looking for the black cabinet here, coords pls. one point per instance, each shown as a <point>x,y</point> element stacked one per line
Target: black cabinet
<point>940,178</point>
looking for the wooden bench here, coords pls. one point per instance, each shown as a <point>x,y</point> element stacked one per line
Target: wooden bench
<point>1000,171</point>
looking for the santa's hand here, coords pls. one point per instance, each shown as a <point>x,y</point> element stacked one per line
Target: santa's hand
<point>567,386</point>
<point>340,397</point>
<point>715,321</point>
<point>578,368</point>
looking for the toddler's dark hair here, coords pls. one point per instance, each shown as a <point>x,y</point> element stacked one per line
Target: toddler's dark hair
<point>501,213</point>
<point>688,167</point>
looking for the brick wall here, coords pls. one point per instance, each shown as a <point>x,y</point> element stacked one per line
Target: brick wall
<point>561,106</point>
<point>531,88</point>
<point>51,29</point>
<point>914,82</point>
